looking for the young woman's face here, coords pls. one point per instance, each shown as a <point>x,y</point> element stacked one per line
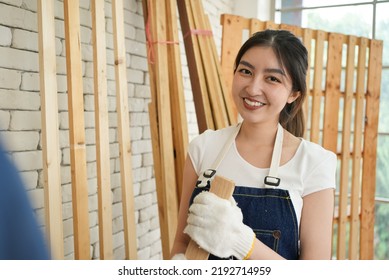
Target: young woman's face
<point>261,87</point>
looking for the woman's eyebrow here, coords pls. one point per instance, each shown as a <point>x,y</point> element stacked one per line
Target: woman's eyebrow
<point>245,63</point>
<point>267,70</point>
<point>275,70</point>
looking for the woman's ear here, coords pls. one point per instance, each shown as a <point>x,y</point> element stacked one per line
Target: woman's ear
<point>293,96</point>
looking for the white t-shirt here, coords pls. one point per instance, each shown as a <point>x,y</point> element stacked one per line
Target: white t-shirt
<point>311,169</point>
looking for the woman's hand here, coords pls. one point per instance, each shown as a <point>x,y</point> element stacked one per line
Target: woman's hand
<point>216,225</point>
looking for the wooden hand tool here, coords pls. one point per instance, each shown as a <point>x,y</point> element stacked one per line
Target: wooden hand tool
<point>223,188</point>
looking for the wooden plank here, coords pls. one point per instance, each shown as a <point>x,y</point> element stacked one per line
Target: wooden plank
<point>129,222</point>
<point>50,136</point>
<point>292,28</point>
<point>164,121</point>
<point>370,149</point>
<point>357,151</point>
<point>256,25</point>
<point>199,88</point>
<point>271,25</point>
<point>215,94</point>
<point>223,188</point>
<point>102,130</point>
<point>229,104</point>
<point>331,115</point>
<point>164,227</point>
<point>150,52</point>
<point>154,119</point>
<point>76,130</point>
<point>345,152</point>
<point>317,87</point>
<point>332,92</point>
<point>230,46</point>
<point>306,37</point>
<point>307,41</point>
<point>179,120</point>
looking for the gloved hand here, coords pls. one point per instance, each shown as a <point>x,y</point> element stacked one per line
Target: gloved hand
<point>179,257</point>
<point>216,225</point>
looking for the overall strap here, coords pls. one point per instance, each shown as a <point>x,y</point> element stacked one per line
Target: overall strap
<point>272,179</point>
<point>208,174</point>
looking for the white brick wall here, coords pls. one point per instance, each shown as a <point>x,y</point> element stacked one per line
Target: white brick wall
<point>10,79</point>
<point>20,116</point>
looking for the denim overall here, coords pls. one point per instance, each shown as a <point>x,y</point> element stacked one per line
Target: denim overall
<point>267,210</point>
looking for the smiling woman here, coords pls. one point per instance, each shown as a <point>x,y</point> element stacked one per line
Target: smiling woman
<point>286,72</point>
<point>275,171</point>
<point>260,82</point>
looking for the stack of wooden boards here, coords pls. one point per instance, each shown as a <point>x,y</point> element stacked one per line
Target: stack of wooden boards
<point>167,112</point>
<point>167,107</point>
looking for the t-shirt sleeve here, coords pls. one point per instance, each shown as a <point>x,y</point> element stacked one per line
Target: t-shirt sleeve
<point>196,151</point>
<point>323,174</point>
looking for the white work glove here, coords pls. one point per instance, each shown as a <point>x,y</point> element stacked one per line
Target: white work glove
<point>178,257</point>
<point>216,225</point>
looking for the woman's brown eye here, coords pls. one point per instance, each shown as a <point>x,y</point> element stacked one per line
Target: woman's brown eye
<point>274,79</point>
<point>245,71</point>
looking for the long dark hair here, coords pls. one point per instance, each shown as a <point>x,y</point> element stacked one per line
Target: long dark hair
<point>293,57</point>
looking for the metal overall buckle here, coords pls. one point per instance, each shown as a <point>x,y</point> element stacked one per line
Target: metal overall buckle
<point>272,181</point>
<point>207,178</point>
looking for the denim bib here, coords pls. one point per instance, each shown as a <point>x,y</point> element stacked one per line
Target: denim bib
<point>267,210</point>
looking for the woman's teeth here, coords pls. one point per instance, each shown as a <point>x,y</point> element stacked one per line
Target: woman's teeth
<point>253,103</point>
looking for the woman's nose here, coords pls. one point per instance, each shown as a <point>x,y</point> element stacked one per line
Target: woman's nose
<point>255,87</point>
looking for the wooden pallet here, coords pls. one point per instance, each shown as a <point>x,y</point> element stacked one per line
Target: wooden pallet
<point>342,115</point>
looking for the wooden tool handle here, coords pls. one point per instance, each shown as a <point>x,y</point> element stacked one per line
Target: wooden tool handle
<point>223,188</point>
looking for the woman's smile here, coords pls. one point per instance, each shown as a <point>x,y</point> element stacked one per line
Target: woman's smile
<point>251,104</point>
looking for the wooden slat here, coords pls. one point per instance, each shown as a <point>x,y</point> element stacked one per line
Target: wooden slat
<point>163,225</point>
<point>199,88</point>
<point>76,130</point>
<point>226,94</point>
<point>164,122</point>
<point>292,28</point>
<point>50,136</point>
<point>165,129</point>
<point>345,153</point>
<point>306,37</point>
<point>102,130</point>
<point>129,222</point>
<point>330,122</point>
<point>370,149</point>
<point>357,151</point>
<point>255,26</point>
<point>179,120</point>
<point>223,188</point>
<point>230,46</point>
<point>215,94</point>
<point>317,87</point>
<point>271,25</point>
<point>153,115</point>
<point>333,75</point>
<point>307,41</point>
